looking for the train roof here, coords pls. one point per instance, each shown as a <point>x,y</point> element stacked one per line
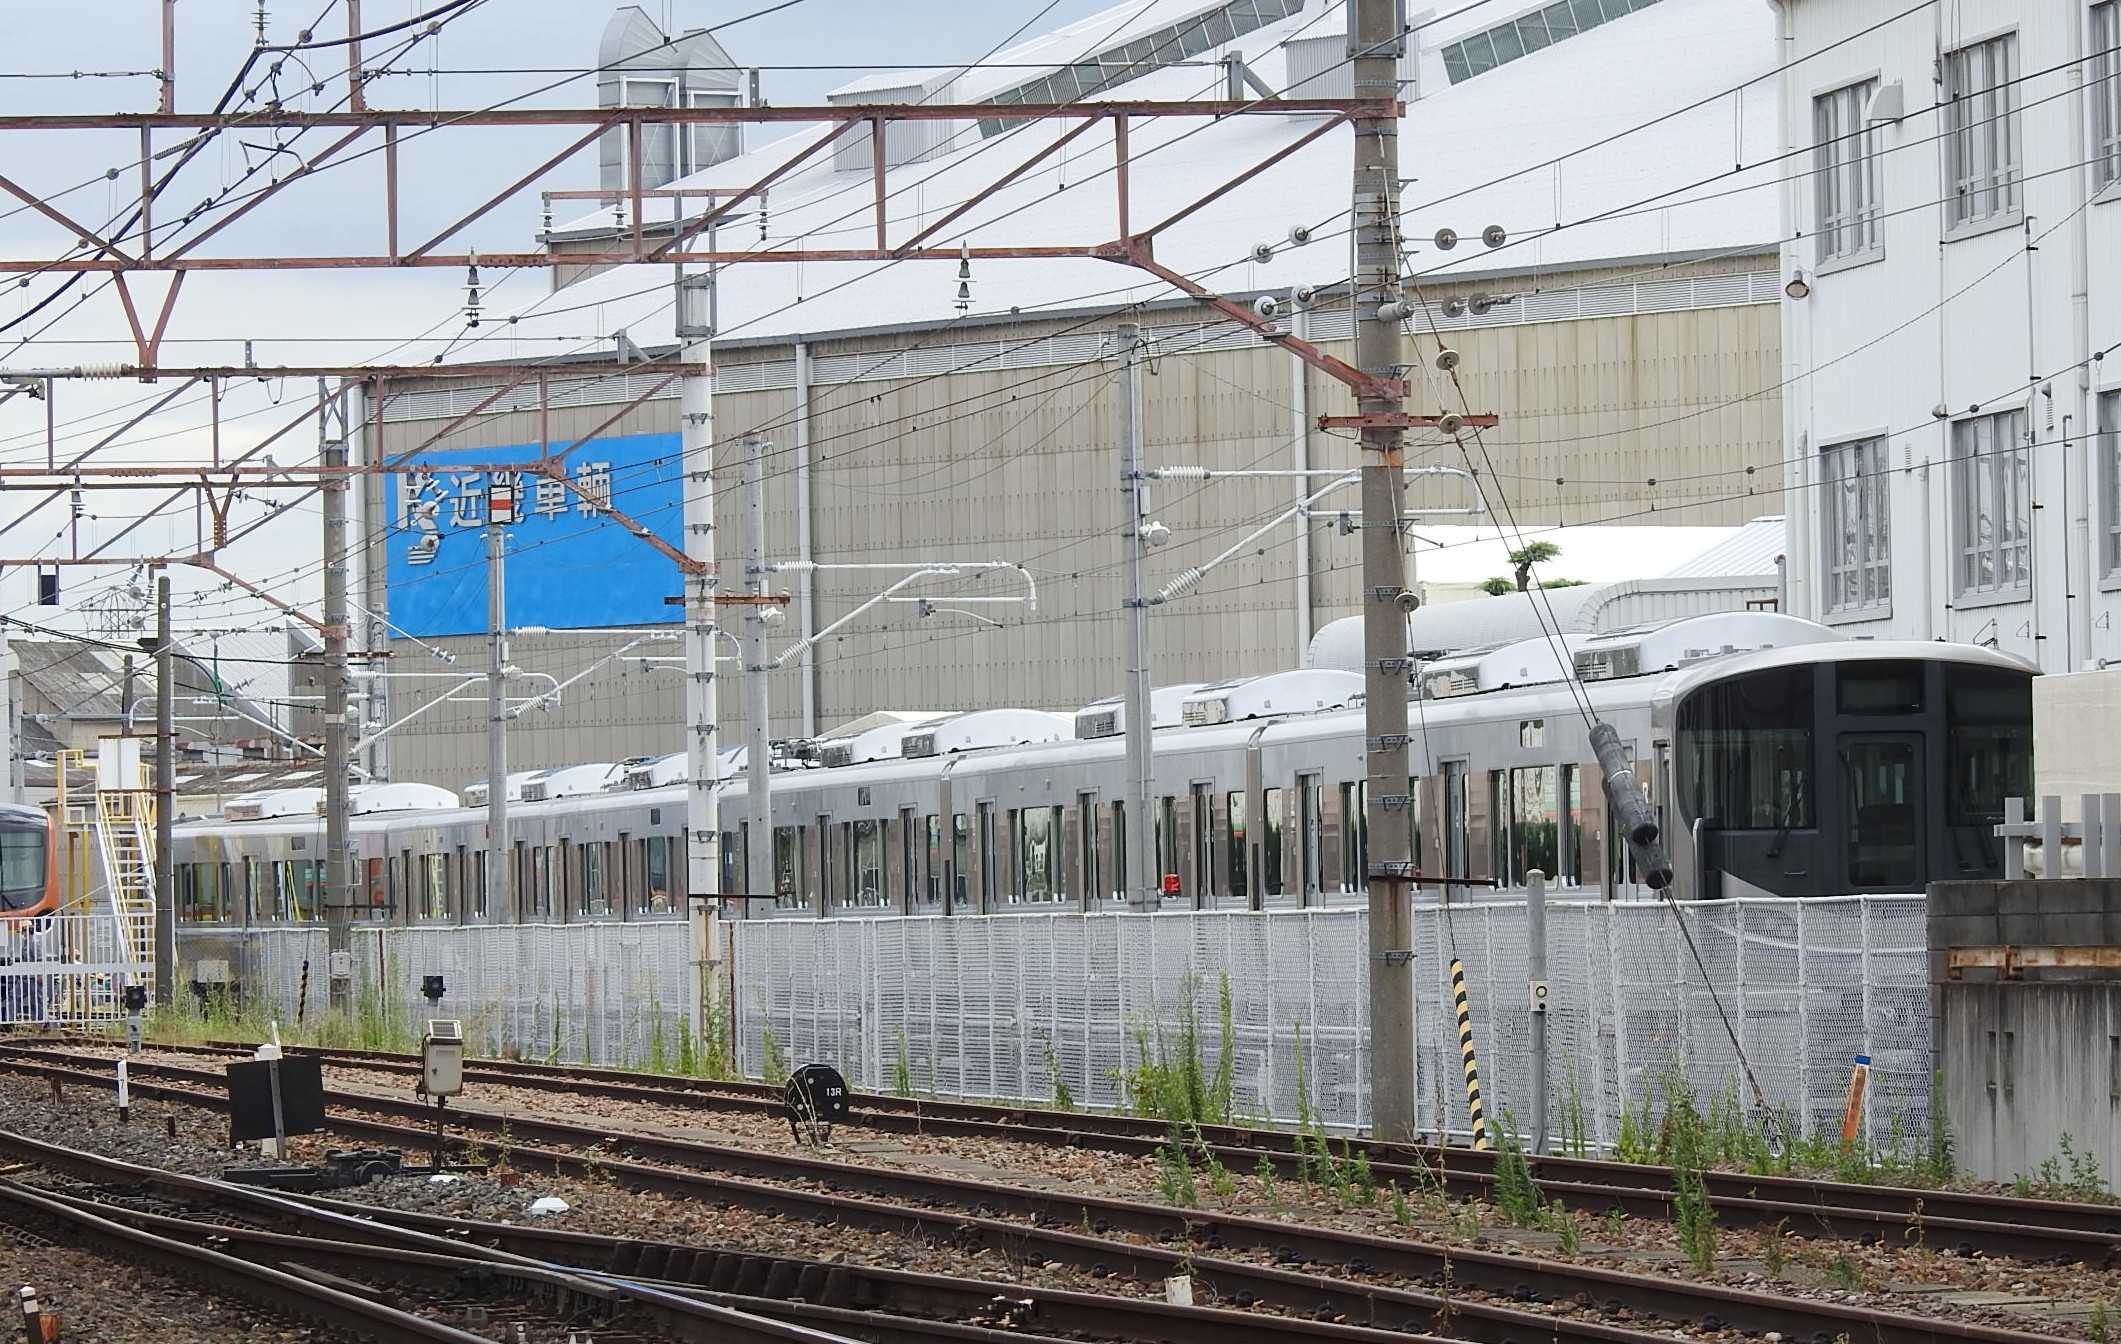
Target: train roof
<point>1652,687</point>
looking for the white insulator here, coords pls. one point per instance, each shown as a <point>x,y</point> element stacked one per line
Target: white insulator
<point>1180,473</point>
<point>1178,587</point>
<point>111,369</point>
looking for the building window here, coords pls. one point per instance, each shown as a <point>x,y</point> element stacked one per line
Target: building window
<point>1981,131</point>
<point>2106,94</point>
<point>2110,478</point>
<point>1991,514</point>
<point>1856,522</point>
<point>1846,164</point>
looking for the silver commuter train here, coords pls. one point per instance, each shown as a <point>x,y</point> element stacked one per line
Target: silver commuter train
<point>1783,758</point>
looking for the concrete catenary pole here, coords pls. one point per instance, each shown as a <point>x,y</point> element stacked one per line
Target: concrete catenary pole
<point>695,329</point>
<point>1375,41</point>
<point>165,800</point>
<point>338,764</point>
<point>758,749</point>
<point>1139,840</point>
<point>10,719</point>
<point>498,850</point>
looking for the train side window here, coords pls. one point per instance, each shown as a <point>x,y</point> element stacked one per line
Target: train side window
<point>787,868</point>
<point>309,893</point>
<point>961,859</point>
<point>1037,853</point>
<point>475,882</point>
<point>1275,879</point>
<point>1413,822</point>
<point>1569,859</point>
<point>1234,843</point>
<point>434,887</point>
<point>1531,817</point>
<point>377,887</point>
<point>988,866</point>
<point>596,901</point>
<point>932,884</point>
<point>908,872</point>
<point>1166,842</point>
<point>1119,852</point>
<point>867,853</point>
<point>1457,826</point>
<point>1203,888</point>
<point>655,874</point>
<point>1086,826</point>
<point>1354,836</point>
<point>1308,821</point>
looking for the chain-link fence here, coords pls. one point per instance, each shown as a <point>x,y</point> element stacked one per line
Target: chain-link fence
<point>1025,1006</point>
<point>1805,986</point>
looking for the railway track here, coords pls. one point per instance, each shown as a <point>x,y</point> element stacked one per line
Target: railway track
<point>1965,1221</point>
<point>889,1306</point>
<point>1325,1273</point>
<point>192,1260</point>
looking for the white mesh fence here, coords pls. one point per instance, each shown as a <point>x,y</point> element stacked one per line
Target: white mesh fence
<point>1806,986</point>
<point>1020,1006</point>
<point>597,993</point>
<point>1017,1006</point>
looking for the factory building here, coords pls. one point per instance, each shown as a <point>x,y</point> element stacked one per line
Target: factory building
<point>1626,336</point>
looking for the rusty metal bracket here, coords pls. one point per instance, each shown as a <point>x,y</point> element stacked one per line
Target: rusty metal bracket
<point>1402,420</point>
<point>2011,962</point>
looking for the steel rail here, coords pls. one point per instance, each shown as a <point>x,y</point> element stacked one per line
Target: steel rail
<point>447,1270</point>
<point>1966,1221</point>
<point>935,1204</point>
<point>274,1289</point>
<point>827,1294</point>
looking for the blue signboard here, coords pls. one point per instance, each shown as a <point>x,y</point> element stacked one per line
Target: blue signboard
<point>569,566</point>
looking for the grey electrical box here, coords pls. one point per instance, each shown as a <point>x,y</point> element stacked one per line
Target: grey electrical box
<point>442,1059</point>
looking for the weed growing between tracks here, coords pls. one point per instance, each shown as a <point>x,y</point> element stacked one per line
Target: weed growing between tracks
<point>1063,1099</point>
<point>2072,1174</point>
<point>1170,1081</point>
<point>1515,1193</point>
<point>773,1065</point>
<point>901,1070</point>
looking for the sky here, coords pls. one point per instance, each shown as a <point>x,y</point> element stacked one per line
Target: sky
<point>308,317</point>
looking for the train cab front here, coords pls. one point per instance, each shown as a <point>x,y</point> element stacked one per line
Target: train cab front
<point>1856,773</point>
<point>28,885</point>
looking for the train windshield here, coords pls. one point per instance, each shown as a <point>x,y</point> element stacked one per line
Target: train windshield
<point>1990,742</point>
<point>1745,759</point>
<point>1827,778</point>
<point>22,860</point>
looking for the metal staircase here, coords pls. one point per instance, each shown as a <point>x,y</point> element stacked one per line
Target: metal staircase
<point>125,832</point>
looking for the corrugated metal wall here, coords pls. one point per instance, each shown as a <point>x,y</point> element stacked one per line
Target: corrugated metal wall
<point>1016,460</point>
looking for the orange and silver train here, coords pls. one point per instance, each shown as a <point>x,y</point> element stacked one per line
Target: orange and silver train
<point>29,870</point>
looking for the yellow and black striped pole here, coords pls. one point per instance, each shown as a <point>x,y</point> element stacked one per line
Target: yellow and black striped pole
<point>1465,1048</point>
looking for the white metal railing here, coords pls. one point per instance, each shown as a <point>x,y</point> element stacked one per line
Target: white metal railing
<point>68,969</point>
<point>2094,839</point>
